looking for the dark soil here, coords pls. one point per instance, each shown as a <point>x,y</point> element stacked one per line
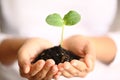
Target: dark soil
<point>58,54</point>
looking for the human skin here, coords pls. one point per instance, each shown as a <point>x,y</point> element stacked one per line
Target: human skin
<point>25,50</point>
<point>90,48</point>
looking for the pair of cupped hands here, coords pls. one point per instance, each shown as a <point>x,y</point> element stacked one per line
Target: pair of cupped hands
<point>47,70</point>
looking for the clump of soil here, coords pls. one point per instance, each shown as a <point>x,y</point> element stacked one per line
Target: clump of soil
<point>58,54</point>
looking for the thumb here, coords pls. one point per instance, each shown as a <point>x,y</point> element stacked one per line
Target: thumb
<point>25,68</point>
<point>90,62</point>
<point>24,63</point>
<point>90,56</point>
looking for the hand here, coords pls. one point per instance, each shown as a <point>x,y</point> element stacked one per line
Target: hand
<point>41,70</point>
<point>82,47</point>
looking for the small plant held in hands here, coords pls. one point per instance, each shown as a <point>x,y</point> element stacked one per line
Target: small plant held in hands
<point>57,53</point>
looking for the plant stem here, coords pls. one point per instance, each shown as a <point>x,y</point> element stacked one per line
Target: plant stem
<point>62,35</point>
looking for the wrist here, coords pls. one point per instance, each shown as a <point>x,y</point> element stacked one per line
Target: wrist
<point>104,47</point>
<point>9,49</point>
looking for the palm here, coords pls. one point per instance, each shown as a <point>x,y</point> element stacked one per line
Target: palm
<point>82,47</point>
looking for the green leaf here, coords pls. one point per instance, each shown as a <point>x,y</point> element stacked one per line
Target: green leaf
<point>71,18</point>
<point>55,20</point>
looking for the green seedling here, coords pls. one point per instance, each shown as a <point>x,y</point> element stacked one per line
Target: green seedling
<point>57,53</point>
<point>69,19</point>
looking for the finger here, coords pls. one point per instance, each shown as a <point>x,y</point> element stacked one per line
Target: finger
<point>81,67</point>
<point>90,62</point>
<point>24,58</point>
<point>23,74</point>
<point>42,74</point>
<point>51,73</point>
<point>60,69</point>
<point>71,69</point>
<point>82,74</point>
<point>66,74</point>
<point>60,66</point>
<point>90,56</point>
<point>24,63</point>
<point>56,76</point>
<point>35,68</point>
<point>63,69</point>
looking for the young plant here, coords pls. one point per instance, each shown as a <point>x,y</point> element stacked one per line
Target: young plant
<point>69,19</point>
<point>57,53</point>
